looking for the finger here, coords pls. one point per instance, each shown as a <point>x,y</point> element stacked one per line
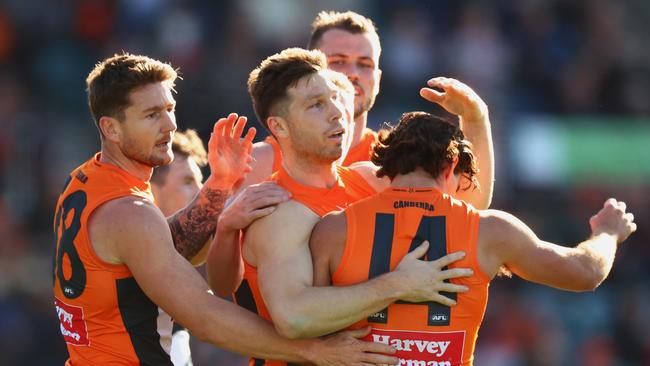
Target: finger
<point>449,259</point>
<point>268,201</point>
<point>629,217</point>
<point>444,300</point>
<point>455,273</point>
<point>622,205</point>
<point>358,333</point>
<point>438,81</point>
<point>610,202</point>
<point>431,95</point>
<point>239,127</point>
<point>376,347</point>
<point>262,212</point>
<point>218,126</point>
<point>265,198</point>
<point>228,126</point>
<point>450,287</point>
<point>374,358</point>
<point>632,227</point>
<point>250,135</point>
<point>267,185</point>
<point>420,250</point>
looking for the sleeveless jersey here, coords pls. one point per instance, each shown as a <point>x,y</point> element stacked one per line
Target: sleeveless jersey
<point>350,187</point>
<point>277,152</point>
<point>359,152</point>
<point>363,150</point>
<point>105,318</point>
<point>380,231</point>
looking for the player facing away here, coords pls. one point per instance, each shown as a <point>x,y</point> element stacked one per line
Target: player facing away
<point>115,263</point>
<point>426,159</point>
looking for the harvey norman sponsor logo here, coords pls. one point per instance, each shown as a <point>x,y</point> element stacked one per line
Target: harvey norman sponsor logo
<point>73,325</point>
<point>423,348</point>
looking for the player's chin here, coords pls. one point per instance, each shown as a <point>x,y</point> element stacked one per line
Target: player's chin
<point>161,159</point>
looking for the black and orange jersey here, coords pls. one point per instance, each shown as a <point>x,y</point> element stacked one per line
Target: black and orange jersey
<point>350,187</point>
<point>105,317</point>
<point>277,152</point>
<point>381,230</point>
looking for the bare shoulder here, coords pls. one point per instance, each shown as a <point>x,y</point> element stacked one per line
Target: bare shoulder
<point>122,221</point>
<point>288,226</point>
<point>329,232</point>
<point>263,153</point>
<point>262,164</point>
<point>289,215</point>
<point>333,223</point>
<point>368,171</point>
<point>502,237</point>
<point>499,224</point>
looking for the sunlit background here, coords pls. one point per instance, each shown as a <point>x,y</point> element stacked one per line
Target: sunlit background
<point>567,83</point>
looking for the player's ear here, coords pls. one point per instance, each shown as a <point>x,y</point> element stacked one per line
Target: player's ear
<point>449,171</point>
<point>110,128</point>
<point>278,126</point>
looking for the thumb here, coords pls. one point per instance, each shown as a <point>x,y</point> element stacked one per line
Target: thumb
<point>420,250</point>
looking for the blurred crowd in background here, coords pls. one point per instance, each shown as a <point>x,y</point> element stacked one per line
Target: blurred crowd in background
<point>548,61</point>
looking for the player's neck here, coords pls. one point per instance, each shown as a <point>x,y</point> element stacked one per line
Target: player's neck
<point>360,124</point>
<point>113,155</point>
<point>417,179</point>
<point>308,172</point>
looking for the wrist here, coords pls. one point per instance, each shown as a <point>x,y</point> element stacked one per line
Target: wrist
<point>605,235</point>
<point>218,184</point>
<point>479,114</point>
<point>307,350</point>
<point>393,285</point>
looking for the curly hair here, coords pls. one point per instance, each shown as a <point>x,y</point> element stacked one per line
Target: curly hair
<point>422,140</point>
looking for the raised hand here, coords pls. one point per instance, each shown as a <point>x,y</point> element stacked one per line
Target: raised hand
<point>424,280</point>
<point>229,154</point>
<point>613,220</point>
<point>346,349</point>
<point>456,97</point>
<point>253,202</point>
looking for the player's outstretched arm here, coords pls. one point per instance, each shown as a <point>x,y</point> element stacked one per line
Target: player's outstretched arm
<point>460,100</point>
<point>299,310</point>
<point>504,239</point>
<point>229,158</point>
<point>224,265</point>
<point>133,232</point>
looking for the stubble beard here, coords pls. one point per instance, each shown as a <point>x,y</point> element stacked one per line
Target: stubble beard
<point>132,151</point>
<point>363,106</point>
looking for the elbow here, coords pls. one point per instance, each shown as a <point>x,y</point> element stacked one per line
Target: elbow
<point>290,326</point>
<point>590,281</point>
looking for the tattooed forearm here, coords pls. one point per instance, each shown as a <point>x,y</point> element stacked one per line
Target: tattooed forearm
<point>192,226</point>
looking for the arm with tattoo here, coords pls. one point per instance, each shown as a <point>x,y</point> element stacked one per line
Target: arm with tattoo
<point>193,226</point>
<point>228,156</point>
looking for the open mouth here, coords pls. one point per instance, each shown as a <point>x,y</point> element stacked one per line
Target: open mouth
<point>166,143</point>
<point>357,90</point>
<point>338,134</point>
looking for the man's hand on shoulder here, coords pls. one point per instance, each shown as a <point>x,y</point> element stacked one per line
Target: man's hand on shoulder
<point>251,203</point>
